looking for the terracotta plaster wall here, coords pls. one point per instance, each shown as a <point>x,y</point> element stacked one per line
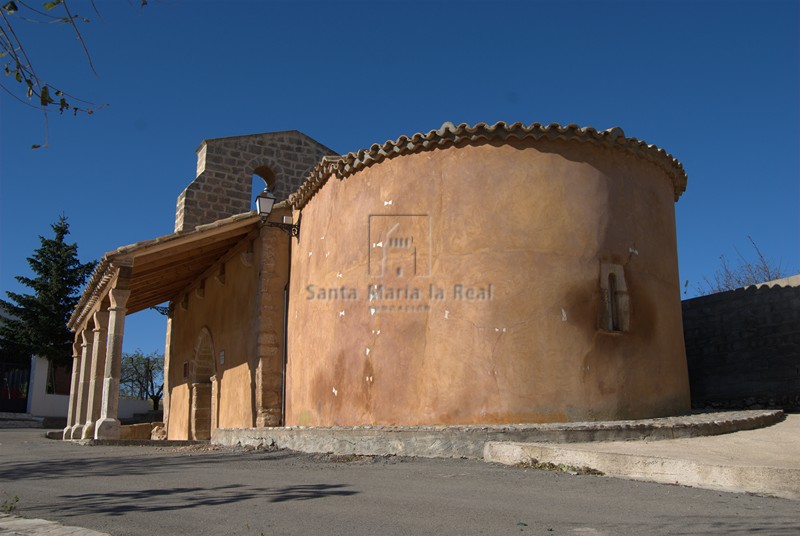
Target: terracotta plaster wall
<point>533,219</point>
<point>229,312</point>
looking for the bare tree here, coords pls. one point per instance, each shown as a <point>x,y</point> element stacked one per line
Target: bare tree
<point>743,273</point>
<point>142,376</point>
<point>39,92</point>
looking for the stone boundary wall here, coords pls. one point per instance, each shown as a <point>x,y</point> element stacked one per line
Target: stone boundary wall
<point>138,431</point>
<point>225,167</point>
<point>743,348</point>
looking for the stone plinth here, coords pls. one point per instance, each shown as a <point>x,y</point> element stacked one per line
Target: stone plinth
<point>107,429</point>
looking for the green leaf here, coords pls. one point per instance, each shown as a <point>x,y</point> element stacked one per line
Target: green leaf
<point>10,7</point>
<point>50,5</point>
<point>18,76</point>
<point>63,105</point>
<point>35,146</point>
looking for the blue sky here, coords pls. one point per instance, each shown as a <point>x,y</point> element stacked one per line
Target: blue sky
<point>715,83</point>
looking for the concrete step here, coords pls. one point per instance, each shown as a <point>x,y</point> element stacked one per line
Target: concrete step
<point>763,462</point>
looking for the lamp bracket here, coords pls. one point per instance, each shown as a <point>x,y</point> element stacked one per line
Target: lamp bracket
<point>292,229</point>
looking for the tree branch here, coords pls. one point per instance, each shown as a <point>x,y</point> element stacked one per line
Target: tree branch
<point>18,46</point>
<point>71,19</point>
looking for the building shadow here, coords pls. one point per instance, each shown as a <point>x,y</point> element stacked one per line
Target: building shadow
<point>155,500</point>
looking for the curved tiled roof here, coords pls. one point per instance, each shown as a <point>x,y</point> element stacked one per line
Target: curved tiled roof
<point>463,134</point>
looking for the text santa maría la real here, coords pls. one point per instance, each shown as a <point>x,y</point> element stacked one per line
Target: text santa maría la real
<point>457,292</point>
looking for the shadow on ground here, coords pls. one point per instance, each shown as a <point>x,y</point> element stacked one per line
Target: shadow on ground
<point>172,499</point>
<point>77,468</point>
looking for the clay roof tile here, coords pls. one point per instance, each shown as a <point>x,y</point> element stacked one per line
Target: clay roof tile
<point>449,134</point>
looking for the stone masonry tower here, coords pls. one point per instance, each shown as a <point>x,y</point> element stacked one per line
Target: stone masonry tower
<point>225,167</point>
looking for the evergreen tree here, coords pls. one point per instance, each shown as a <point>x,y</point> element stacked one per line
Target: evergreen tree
<point>38,323</point>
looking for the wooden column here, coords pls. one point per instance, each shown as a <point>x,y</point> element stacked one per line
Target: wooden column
<point>96,373</point>
<point>108,425</point>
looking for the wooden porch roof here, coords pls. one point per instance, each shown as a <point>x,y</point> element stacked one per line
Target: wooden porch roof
<point>158,270</point>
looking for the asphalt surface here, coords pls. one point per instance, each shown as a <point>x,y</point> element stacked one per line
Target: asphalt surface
<point>205,490</point>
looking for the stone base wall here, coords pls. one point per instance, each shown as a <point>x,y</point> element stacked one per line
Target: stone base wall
<point>138,431</point>
<point>743,348</point>
<point>470,441</point>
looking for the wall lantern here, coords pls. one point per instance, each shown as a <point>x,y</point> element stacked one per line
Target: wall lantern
<point>264,203</point>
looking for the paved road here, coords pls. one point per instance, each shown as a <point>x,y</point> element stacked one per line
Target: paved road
<point>202,491</point>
